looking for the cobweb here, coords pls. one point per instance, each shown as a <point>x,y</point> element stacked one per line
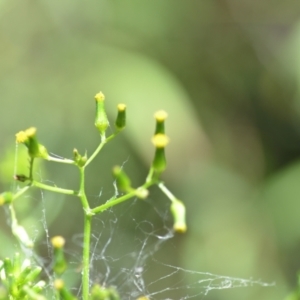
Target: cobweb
<point>127,242</point>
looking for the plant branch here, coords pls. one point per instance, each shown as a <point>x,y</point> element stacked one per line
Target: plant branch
<point>54,188</point>
<point>21,192</point>
<point>166,191</point>
<point>121,199</point>
<point>61,160</point>
<point>86,257</point>
<point>104,140</point>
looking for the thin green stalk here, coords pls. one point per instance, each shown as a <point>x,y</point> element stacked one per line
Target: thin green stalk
<point>54,188</point>
<point>166,191</point>
<point>61,160</point>
<point>104,140</point>
<point>31,168</point>
<point>150,175</point>
<point>86,237</point>
<point>82,195</point>
<point>86,257</point>
<point>121,199</point>
<point>21,192</point>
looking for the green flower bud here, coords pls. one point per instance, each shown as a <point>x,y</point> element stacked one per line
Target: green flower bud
<point>101,121</point>
<point>123,181</point>
<point>17,263</point>
<point>79,159</point>
<point>21,280</point>
<point>59,285</point>
<point>101,293</point>
<point>178,212</point>
<point>160,117</point>
<point>98,292</point>
<point>39,287</point>
<point>33,274</point>
<point>160,141</point>
<point>8,267</point>
<point>60,264</point>
<point>121,117</point>
<point>6,197</point>
<point>28,138</point>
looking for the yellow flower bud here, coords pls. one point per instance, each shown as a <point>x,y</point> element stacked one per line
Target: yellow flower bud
<point>101,121</point>
<point>160,117</point>
<point>59,264</point>
<point>58,241</point>
<point>58,284</point>
<point>178,212</point>
<point>121,117</point>
<point>160,141</point>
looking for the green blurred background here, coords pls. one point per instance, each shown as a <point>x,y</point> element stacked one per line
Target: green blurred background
<point>227,72</point>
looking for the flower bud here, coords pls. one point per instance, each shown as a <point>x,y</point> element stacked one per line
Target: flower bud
<point>160,117</point>
<point>178,212</point>
<point>23,275</point>
<point>39,287</point>
<point>28,138</point>
<point>79,159</point>
<point>59,285</point>
<point>33,274</point>
<point>99,292</point>
<point>8,266</point>
<point>160,141</point>
<point>17,263</point>
<point>123,181</point>
<point>60,264</point>
<point>101,121</point>
<point>6,197</point>
<point>121,117</point>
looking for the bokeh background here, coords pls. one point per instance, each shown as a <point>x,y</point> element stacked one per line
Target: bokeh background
<point>227,72</point>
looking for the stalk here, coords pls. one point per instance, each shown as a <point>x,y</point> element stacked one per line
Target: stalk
<point>86,257</point>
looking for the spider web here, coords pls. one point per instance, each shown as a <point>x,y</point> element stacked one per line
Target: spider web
<point>125,249</point>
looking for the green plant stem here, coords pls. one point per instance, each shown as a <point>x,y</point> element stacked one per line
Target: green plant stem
<point>121,199</point>
<point>21,192</point>
<point>86,236</point>
<point>166,191</point>
<point>61,160</point>
<point>82,195</point>
<point>150,175</point>
<point>104,140</point>
<point>54,188</point>
<point>86,257</point>
<point>31,168</point>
